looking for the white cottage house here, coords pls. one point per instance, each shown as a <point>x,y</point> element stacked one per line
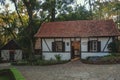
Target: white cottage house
<point>80,38</point>
<point>11,51</point>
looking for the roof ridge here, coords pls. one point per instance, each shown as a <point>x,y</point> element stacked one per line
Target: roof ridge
<point>80,20</point>
<point>81,28</point>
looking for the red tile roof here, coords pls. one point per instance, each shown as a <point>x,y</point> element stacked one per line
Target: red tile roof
<point>80,28</point>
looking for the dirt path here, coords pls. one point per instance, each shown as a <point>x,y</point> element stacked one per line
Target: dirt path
<point>71,71</point>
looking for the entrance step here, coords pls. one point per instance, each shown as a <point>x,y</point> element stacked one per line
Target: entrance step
<point>75,59</point>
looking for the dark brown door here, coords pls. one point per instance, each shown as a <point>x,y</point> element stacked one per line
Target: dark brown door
<point>12,55</point>
<point>72,52</point>
<point>75,49</point>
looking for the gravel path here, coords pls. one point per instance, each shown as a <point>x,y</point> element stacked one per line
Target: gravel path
<point>71,71</point>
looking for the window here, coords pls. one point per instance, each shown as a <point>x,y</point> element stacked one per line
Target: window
<point>94,46</point>
<point>58,46</point>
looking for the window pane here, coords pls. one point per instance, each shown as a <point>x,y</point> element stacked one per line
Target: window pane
<point>93,45</point>
<point>59,46</point>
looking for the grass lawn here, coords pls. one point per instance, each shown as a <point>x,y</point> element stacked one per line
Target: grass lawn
<point>4,77</point>
<point>5,74</point>
<point>10,74</point>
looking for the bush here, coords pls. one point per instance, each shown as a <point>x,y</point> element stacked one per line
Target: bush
<point>109,59</point>
<point>93,58</point>
<point>22,62</point>
<point>113,47</point>
<point>58,57</point>
<point>39,61</point>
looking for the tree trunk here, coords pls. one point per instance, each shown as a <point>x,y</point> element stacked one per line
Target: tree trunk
<point>53,3</point>
<point>90,5</point>
<point>30,36</point>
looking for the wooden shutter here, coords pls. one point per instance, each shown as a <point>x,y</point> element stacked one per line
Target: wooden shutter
<point>63,46</point>
<point>98,46</point>
<point>53,46</point>
<point>89,46</point>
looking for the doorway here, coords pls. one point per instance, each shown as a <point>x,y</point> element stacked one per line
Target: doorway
<point>75,49</point>
<point>12,55</point>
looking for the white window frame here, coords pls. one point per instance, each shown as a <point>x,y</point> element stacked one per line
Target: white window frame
<point>93,46</point>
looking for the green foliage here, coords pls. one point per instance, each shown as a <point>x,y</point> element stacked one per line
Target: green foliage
<point>5,74</point>
<point>11,74</point>
<point>80,13</point>
<point>114,47</point>
<point>17,74</point>
<point>57,7</point>
<point>58,57</point>
<point>40,61</point>
<point>107,10</point>
<point>109,59</point>
<point>22,62</point>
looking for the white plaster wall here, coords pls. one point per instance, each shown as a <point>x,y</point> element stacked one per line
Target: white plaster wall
<point>67,55</point>
<point>84,46</point>
<point>49,42</point>
<point>67,47</point>
<point>5,54</point>
<point>85,55</point>
<point>84,43</point>
<point>50,55</point>
<point>18,54</point>
<point>103,43</point>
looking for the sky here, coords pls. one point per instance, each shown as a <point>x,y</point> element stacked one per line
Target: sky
<point>12,8</point>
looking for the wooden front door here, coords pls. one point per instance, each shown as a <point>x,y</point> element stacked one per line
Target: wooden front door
<point>75,49</point>
<point>12,55</point>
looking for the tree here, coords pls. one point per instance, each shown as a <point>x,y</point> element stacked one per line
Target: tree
<point>80,13</point>
<point>8,23</point>
<point>56,7</point>
<point>105,9</point>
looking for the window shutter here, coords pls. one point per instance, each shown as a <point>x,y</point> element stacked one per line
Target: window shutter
<point>89,46</point>
<point>63,46</point>
<point>53,46</point>
<point>98,46</point>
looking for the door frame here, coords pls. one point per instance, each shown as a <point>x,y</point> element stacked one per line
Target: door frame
<point>11,55</point>
<point>72,54</point>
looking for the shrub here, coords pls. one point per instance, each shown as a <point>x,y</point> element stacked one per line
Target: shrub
<point>93,58</point>
<point>109,59</point>
<point>113,47</point>
<point>22,62</point>
<point>58,57</point>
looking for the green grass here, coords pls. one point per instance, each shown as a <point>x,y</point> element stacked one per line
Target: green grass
<point>5,74</point>
<point>11,74</point>
<point>4,77</point>
<point>17,74</point>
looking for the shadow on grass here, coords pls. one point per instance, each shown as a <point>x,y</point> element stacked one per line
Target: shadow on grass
<point>10,74</point>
